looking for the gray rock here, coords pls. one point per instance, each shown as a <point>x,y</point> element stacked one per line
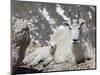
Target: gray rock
<point>20,41</point>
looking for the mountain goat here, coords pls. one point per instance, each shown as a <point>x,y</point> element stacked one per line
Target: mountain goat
<point>43,53</point>
<point>34,44</point>
<point>68,38</point>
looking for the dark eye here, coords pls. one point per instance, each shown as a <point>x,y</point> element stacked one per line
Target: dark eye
<point>70,28</point>
<point>66,24</point>
<point>79,28</point>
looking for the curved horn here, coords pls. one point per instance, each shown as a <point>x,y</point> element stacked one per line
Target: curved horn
<point>69,12</point>
<point>78,13</point>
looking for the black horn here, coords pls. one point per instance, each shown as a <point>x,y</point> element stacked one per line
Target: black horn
<point>69,12</point>
<point>78,13</point>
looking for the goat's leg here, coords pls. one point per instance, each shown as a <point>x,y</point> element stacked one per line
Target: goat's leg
<point>35,61</point>
<point>47,61</point>
<point>29,58</point>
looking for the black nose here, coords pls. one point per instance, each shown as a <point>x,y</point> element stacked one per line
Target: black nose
<point>52,47</point>
<point>75,40</point>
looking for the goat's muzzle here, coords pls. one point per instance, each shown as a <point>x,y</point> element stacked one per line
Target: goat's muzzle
<point>75,41</point>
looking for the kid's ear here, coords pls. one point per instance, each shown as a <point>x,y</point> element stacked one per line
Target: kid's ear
<point>54,47</point>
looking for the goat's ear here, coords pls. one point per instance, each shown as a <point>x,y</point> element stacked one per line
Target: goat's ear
<point>65,24</point>
<point>82,23</point>
<point>53,47</point>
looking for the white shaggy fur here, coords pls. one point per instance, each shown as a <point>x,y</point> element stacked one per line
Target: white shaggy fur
<point>67,48</point>
<point>42,53</point>
<point>34,44</point>
<point>63,42</point>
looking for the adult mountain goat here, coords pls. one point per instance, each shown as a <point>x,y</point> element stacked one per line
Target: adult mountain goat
<point>68,38</point>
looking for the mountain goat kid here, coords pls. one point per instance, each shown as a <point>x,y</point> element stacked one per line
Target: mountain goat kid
<point>34,44</point>
<point>43,53</point>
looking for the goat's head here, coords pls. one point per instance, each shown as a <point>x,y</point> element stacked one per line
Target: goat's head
<point>53,46</point>
<point>74,28</point>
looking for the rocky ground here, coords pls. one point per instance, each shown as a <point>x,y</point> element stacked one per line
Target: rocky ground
<point>87,65</point>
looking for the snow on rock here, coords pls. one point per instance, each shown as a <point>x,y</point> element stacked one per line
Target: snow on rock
<point>31,25</point>
<point>37,34</point>
<point>46,15</point>
<point>60,11</point>
<point>19,24</point>
<point>90,15</point>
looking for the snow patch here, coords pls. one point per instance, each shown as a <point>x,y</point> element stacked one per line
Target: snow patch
<point>31,25</point>
<point>90,15</point>
<point>37,34</point>
<point>60,11</point>
<point>46,15</point>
